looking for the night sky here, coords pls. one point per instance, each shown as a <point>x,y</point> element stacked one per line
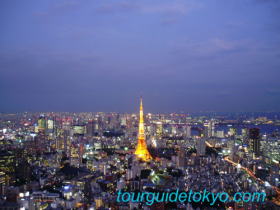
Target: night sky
<point>101,55</point>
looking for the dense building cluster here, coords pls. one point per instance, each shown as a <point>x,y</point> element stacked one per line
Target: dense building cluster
<point>81,160</point>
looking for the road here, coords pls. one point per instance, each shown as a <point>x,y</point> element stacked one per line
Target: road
<point>251,173</point>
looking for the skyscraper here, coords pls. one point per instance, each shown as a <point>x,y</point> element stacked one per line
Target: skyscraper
<point>209,129</point>
<point>188,131</point>
<point>90,128</point>
<point>200,146</point>
<point>42,124</point>
<point>254,136</point>
<point>159,129</point>
<point>141,150</point>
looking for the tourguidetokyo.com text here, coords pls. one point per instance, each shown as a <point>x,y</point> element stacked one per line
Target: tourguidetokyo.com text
<point>155,197</point>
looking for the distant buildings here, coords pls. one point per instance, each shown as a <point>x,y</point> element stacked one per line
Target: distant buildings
<point>79,160</point>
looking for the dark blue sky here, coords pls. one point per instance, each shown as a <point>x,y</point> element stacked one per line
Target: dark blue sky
<point>101,55</point>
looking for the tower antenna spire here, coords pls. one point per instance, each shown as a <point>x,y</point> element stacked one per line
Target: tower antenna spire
<point>141,150</point>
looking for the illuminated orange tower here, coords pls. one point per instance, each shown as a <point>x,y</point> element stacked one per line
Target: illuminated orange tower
<point>141,150</point>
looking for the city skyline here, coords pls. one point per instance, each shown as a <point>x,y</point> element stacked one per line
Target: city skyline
<point>101,55</point>
<point>94,160</point>
<point>74,134</point>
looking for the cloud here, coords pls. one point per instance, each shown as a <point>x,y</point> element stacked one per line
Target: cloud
<point>224,45</point>
<point>59,8</point>
<point>177,7</point>
<point>168,12</point>
<point>210,46</point>
<point>268,1</point>
<point>169,20</point>
<point>273,91</point>
<point>118,7</point>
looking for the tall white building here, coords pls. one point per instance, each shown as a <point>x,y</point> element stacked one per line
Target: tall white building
<point>200,146</point>
<point>188,131</point>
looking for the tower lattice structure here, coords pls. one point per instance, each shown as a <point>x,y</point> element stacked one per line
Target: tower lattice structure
<point>141,150</point>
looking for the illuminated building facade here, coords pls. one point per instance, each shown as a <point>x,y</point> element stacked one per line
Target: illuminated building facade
<point>42,123</point>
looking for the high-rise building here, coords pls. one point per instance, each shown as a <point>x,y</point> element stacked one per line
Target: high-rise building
<point>212,128</point>
<point>244,132</point>
<point>141,150</point>
<point>209,129</point>
<point>2,182</point>
<point>232,132</point>
<point>79,129</point>
<point>181,162</point>
<point>90,128</point>
<point>220,134</point>
<point>173,130</point>
<point>254,136</point>
<point>123,121</point>
<point>200,146</point>
<point>42,123</point>
<point>50,124</point>
<point>159,129</point>
<point>188,131</point>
